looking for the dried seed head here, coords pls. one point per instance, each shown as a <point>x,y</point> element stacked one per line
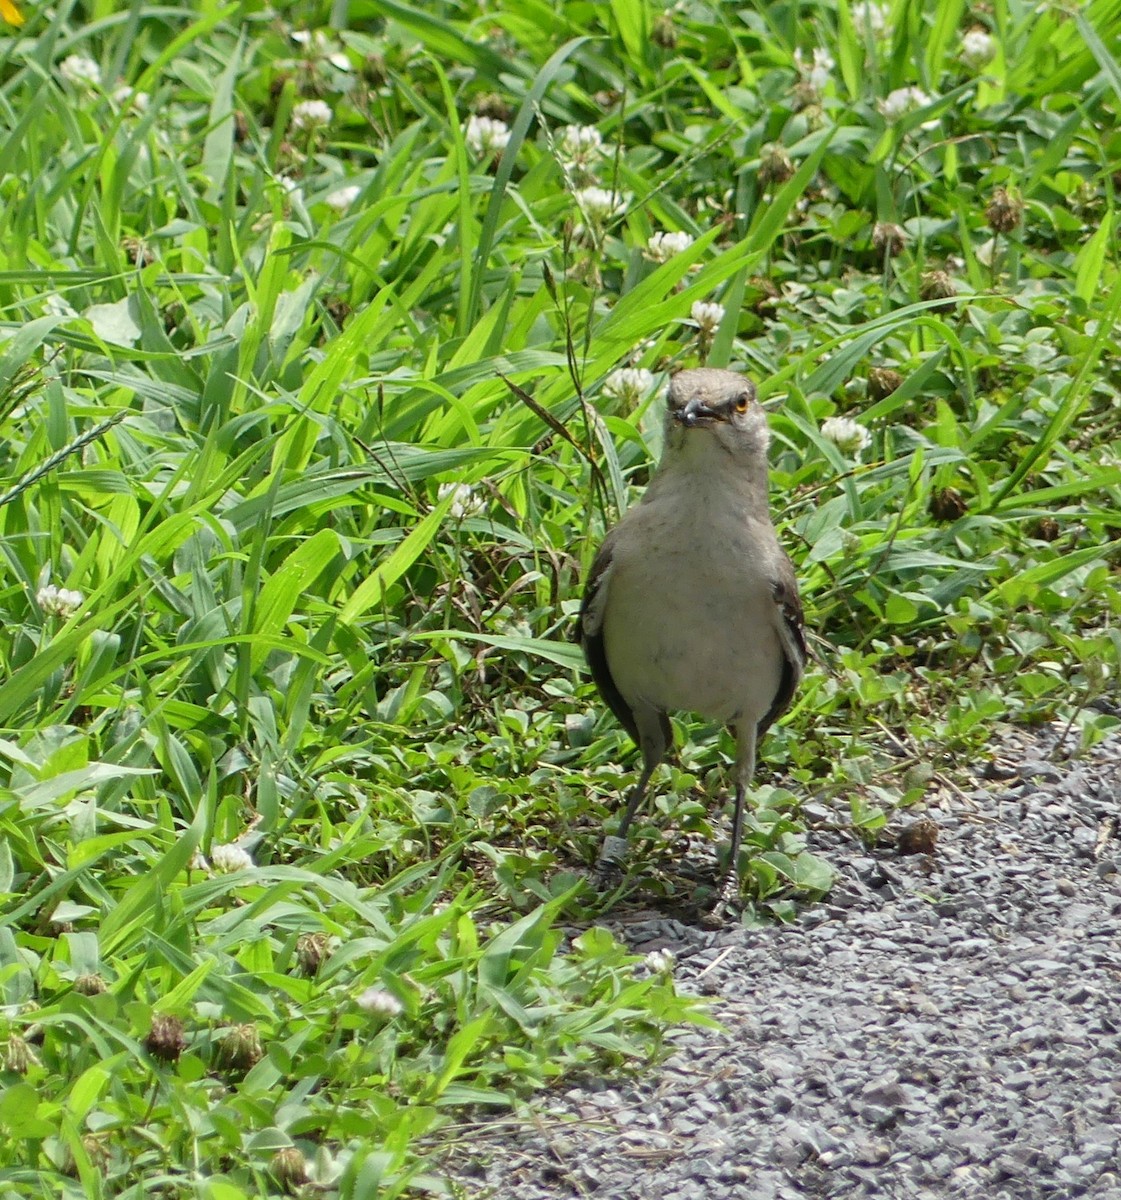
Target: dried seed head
<point>338,309</point>
<point>289,1168</point>
<point>882,381</point>
<point>90,984</point>
<point>375,70</point>
<point>919,837</point>
<point>19,1058</point>
<point>805,96</point>
<point>1004,211</point>
<point>888,238</point>
<point>97,1147</point>
<point>767,296</point>
<point>165,1040</point>
<point>947,504</point>
<point>936,285</point>
<point>775,165</point>
<point>491,104</point>
<point>311,950</point>
<point>241,1048</point>
<point>664,33</point>
<point>137,250</point>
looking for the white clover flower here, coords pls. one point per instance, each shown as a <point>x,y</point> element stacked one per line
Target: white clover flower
<point>663,246</point>
<point>198,863</point>
<point>580,144</point>
<point>465,503</point>
<point>342,198</point>
<point>849,437</point>
<point>225,860</point>
<point>378,1002</point>
<point>708,315</point>
<point>311,114</point>
<point>80,70</point>
<point>486,137</point>
<point>629,384</point>
<point>598,204</point>
<point>977,48</point>
<point>661,962</point>
<point>59,602</point>
<point>902,101</point>
<point>322,44</point>
<point>126,98</point>
<point>871,18</point>
<point>817,73</point>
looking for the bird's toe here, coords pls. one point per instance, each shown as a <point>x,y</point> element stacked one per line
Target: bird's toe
<point>728,907</point>
<point>609,866</point>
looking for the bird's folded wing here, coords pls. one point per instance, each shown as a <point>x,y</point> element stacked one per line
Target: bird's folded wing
<point>792,638</point>
<point>589,633</point>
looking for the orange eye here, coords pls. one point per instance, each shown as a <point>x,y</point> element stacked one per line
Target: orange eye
<point>742,403</point>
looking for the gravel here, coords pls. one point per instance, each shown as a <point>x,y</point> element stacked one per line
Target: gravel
<point>942,1025</point>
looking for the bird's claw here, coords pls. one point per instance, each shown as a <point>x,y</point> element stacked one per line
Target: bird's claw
<point>728,907</point>
<point>605,876</point>
<point>609,865</point>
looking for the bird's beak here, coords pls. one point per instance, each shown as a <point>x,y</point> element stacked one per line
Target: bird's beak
<point>695,412</point>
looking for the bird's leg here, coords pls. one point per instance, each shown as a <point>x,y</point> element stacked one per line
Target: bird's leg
<point>614,848</point>
<point>653,741</point>
<point>728,902</point>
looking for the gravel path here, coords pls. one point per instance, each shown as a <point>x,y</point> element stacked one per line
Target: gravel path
<point>942,1026</point>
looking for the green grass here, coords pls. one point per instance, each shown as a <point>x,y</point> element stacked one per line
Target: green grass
<point>327,471</point>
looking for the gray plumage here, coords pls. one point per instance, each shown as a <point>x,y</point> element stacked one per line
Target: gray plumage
<point>692,604</point>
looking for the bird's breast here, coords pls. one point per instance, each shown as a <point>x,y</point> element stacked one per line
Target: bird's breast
<point>690,620</point>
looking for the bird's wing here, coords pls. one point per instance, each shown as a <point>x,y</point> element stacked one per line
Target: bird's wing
<point>589,633</point>
<point>792,637</point>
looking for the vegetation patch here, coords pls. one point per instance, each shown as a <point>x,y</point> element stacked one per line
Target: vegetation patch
<point>331,340</point>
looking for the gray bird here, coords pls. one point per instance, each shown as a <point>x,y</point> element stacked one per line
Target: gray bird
<point>692,604</point>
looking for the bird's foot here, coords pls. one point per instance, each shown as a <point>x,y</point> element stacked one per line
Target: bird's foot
<point>728,907</point>
<point>609,865</point>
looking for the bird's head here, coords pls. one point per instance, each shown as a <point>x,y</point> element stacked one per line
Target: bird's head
<point>717,405</point>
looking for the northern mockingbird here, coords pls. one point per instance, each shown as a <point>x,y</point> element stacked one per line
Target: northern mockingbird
<point>692,603</point>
